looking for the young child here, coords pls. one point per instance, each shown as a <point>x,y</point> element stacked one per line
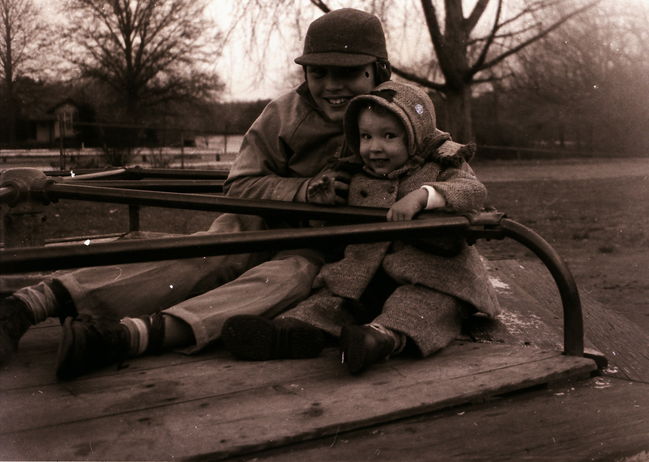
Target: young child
<point>381,297</point>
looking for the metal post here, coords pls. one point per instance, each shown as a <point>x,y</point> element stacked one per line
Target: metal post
<point>133,217</point>
<point>225,141</point>
<point>61,144</point>
<point>182,150</point>
<point>22,215</point>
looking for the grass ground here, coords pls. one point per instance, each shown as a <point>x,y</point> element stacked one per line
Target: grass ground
<point>594,213</point>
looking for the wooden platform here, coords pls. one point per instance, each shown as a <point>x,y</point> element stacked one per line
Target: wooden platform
<point>173,407</point>
<point>210,406</point>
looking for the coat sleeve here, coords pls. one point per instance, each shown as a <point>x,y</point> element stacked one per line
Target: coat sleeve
<point>462,191</point>
<point>461,188</point>
<point>260,170</point>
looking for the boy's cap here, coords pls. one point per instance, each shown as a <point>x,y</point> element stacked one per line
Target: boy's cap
<point>344,38</point>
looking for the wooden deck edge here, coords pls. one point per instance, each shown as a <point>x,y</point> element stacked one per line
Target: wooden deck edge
<point>278,412</point>
<point>549,371</point>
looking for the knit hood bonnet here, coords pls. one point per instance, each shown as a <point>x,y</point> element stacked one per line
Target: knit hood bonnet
<point>414,108</point>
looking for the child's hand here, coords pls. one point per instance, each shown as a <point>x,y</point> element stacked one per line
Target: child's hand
<point>329,188</point>
<point>408,206</point>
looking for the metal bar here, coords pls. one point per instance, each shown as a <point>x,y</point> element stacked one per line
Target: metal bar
<point>95,175</point>
<point>19,260</point>
<point>206,202</point>
<point>214,186</point>
<point>573,329</point>
<point>75,239</point>
<point>140,173</point>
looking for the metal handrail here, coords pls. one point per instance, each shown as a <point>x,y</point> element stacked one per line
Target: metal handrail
<point>53,191</point>
<point>202,245</point>
<point>137,173</point>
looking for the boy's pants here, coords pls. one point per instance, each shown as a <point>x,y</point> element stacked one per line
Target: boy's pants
<point>202,291</point>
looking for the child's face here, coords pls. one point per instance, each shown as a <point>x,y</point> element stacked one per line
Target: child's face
<point>383,145</point>
<point>333,87</point>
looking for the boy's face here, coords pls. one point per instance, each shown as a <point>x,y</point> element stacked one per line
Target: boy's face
<point>382,141</point>
<point>333,87</point>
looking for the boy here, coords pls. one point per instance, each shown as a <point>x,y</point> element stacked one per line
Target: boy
<point>183,303</point>
<point>402,293</point>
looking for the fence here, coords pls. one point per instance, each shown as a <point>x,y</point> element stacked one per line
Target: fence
<point>215,152</point>
<point>218,152</point>
<point>489,152</point>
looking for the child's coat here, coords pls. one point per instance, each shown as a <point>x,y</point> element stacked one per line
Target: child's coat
<point>462,276</point>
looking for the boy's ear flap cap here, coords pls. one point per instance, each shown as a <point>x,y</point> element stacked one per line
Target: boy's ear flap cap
<point>344,38</point>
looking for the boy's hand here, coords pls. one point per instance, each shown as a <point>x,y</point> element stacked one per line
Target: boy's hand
<point>408,206</point>
<point>331,187</point>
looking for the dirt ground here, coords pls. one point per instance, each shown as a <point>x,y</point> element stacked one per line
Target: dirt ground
<point>595,212</point>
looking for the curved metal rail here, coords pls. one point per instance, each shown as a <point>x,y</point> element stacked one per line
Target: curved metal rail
<point>573,339</point>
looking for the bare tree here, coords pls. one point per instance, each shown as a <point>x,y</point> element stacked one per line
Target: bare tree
<point>22,35</point>
<point>588,81</point>
<point>148,52</point>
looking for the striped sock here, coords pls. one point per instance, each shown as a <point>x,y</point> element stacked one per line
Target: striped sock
<point>146,334</point>
<point>40,300</point>
<point>138,335</point>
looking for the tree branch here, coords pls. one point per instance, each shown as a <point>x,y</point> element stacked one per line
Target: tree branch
<point>533,39</point>
<point>476,14</point>
<point>418,79</point>
<point>322,5</point>
<point>490,39</point>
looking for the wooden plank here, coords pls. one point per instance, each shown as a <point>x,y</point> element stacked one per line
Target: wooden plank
<point>602,419</point>
<point>524,320</point>
<point>227,407</point>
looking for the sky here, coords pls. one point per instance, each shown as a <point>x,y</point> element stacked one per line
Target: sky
<point>240,70</point>
<point>259,64</point>
<point>274,50</point>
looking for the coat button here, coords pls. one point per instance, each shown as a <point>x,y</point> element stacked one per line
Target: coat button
<point>364,193</point>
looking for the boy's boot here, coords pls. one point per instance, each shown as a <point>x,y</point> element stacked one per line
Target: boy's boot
<point>15,319</point>
<point>89,343</point>
<point>255,338</point>
<point>362,346</point>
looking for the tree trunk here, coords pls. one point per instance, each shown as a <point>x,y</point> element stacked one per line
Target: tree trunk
<point>11,113</point>
<point>458,110</point>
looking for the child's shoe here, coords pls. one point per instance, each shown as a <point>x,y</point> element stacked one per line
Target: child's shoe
<point>362,346</point>
<point>15,319</point>
<point>256,338</point>
<point>90,343</point>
